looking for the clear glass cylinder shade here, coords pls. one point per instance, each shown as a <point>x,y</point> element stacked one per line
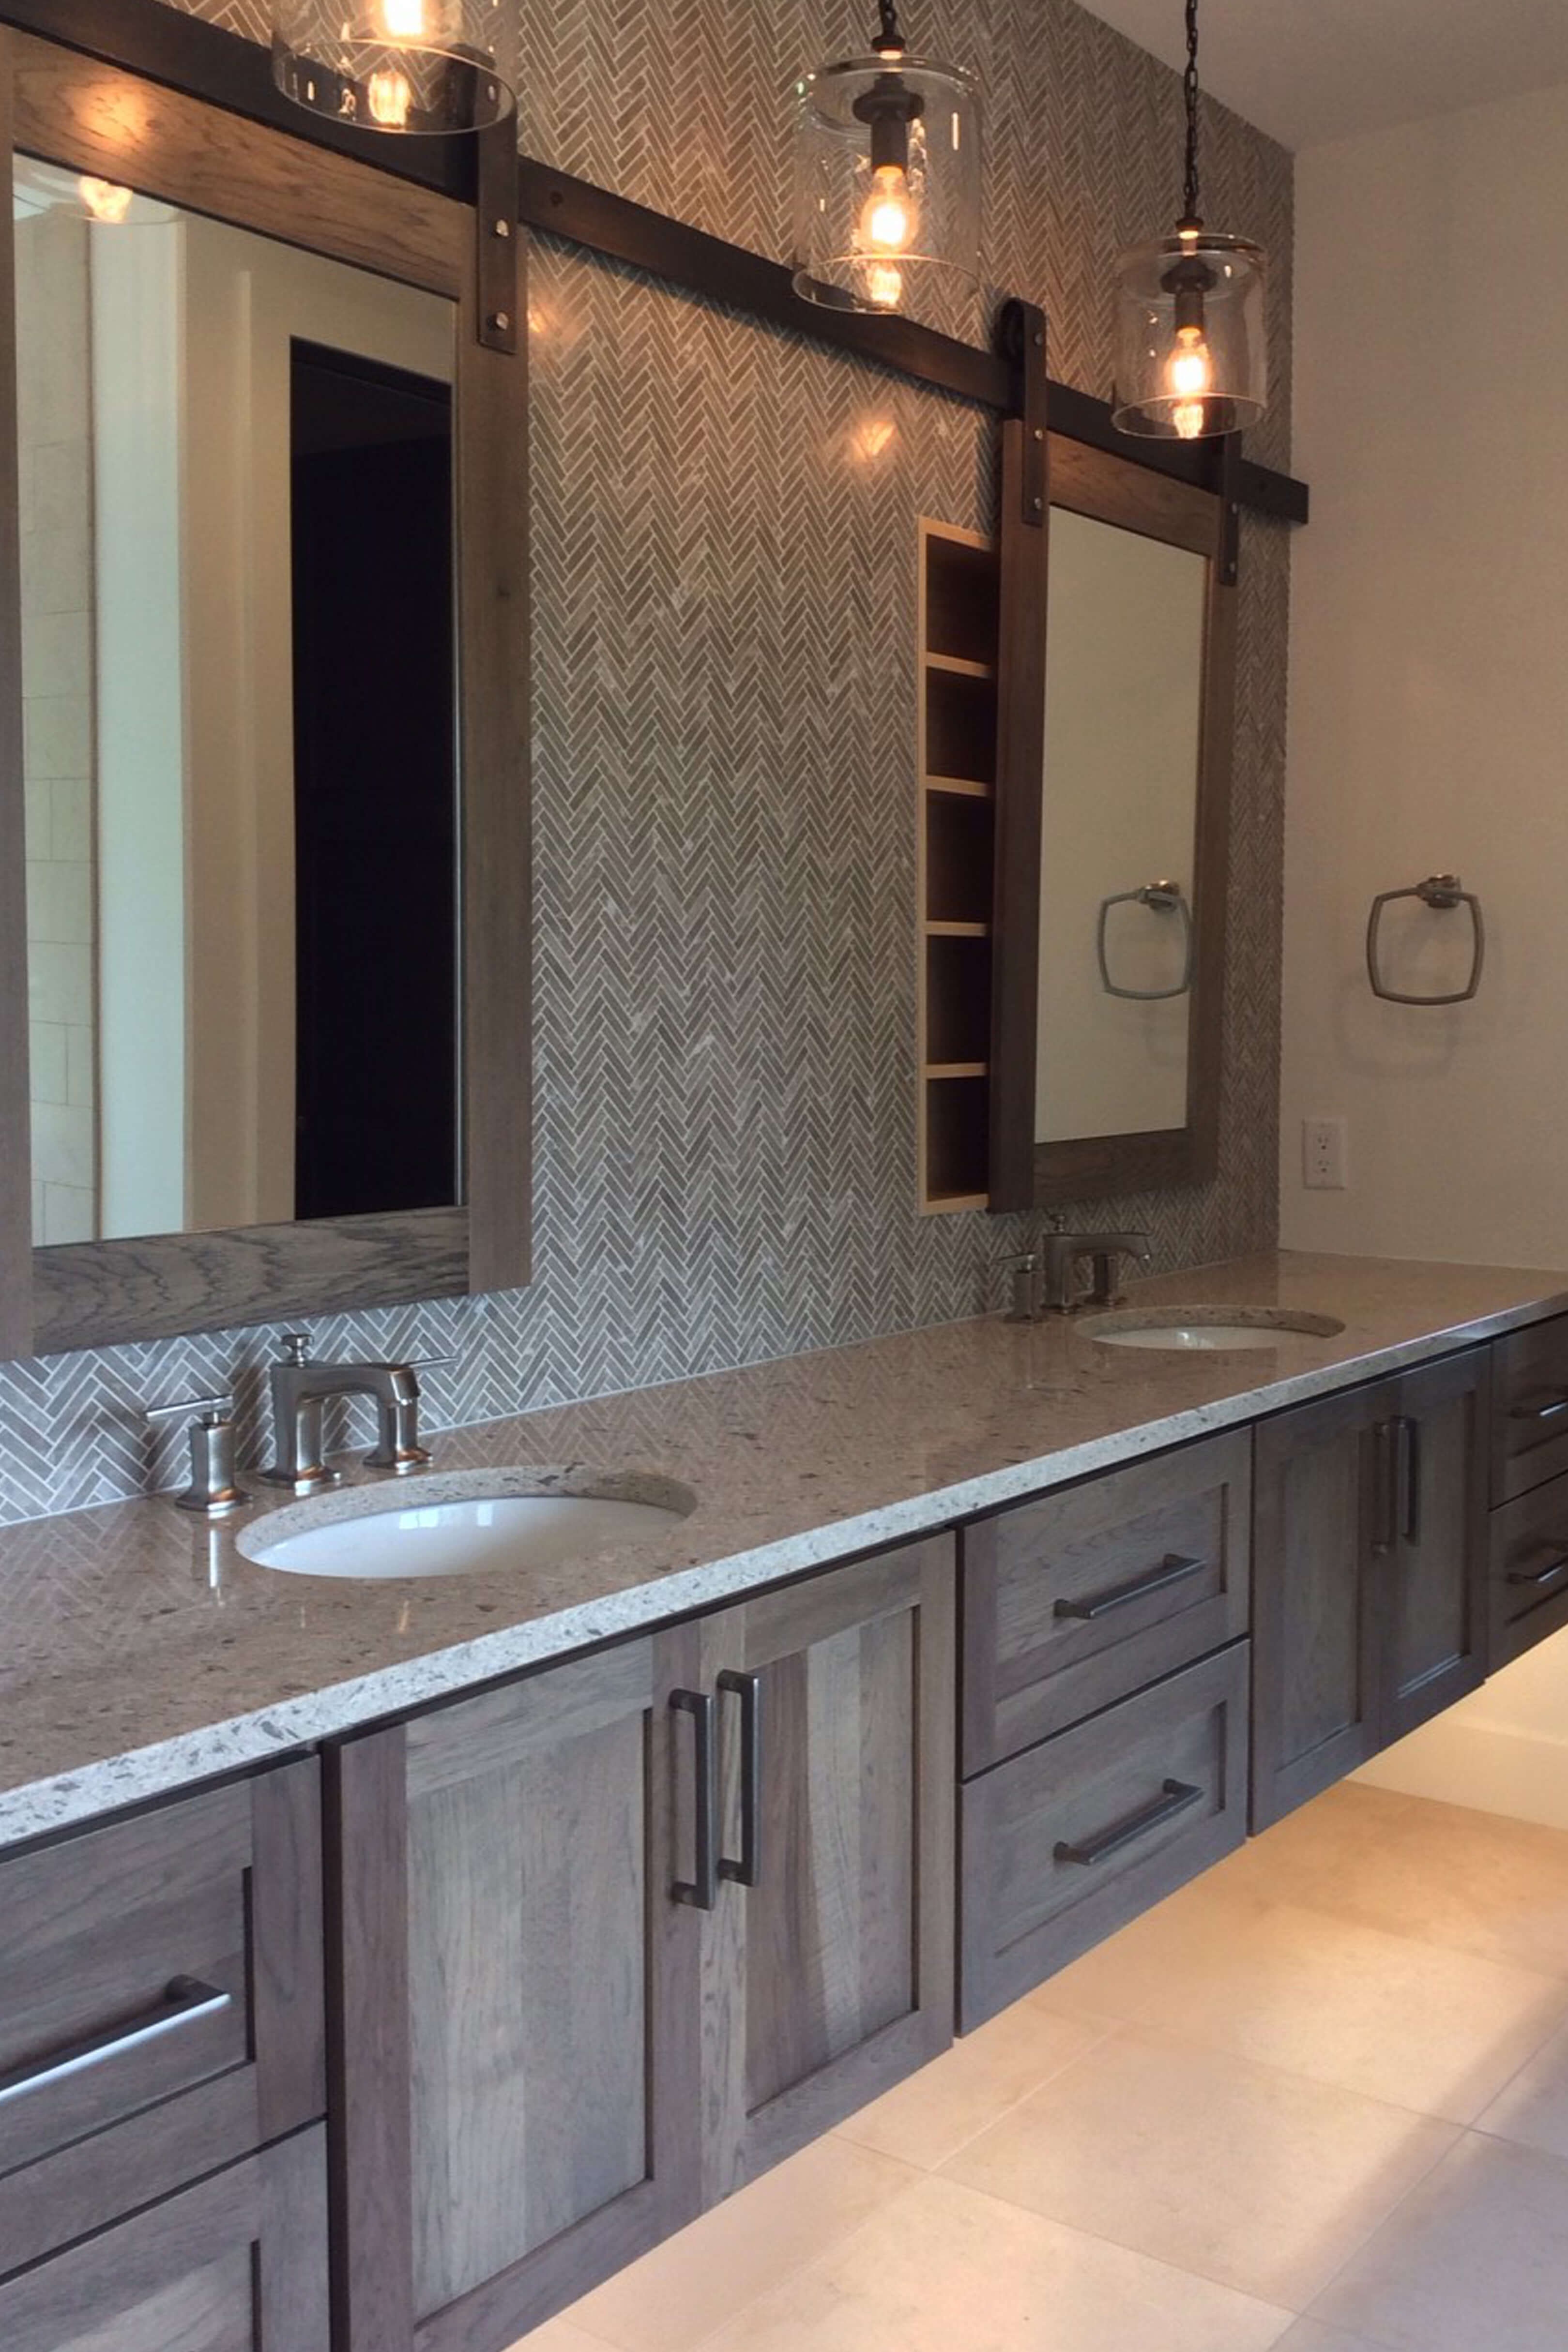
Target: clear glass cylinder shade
<point>889,220</point>
<point>40,187</point>
<point>1191,358</point>
<point>428,67</point>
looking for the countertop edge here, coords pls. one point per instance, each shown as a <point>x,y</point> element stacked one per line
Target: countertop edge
<point>62,1802</point>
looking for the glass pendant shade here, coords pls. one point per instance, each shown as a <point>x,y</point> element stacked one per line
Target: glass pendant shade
<point>1191,358</point>
<point>38,188</point>
<point>887,187</point>
<point>428,67</point>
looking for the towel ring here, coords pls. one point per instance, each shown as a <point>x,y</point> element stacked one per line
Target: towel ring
<point>1162,898</point>
<point>1442,893</point>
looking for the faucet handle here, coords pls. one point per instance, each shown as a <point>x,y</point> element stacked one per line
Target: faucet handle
<point>1024,1265</point>
<point>213,1489</point>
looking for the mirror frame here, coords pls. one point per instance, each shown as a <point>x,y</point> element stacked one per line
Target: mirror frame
<point>71,110</point>
<point>1026,1174</point>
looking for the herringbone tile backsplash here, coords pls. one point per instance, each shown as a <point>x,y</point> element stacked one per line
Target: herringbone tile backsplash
<point>724,682</point>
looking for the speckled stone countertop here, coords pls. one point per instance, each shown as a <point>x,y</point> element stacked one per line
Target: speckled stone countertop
<point>140,1651</point>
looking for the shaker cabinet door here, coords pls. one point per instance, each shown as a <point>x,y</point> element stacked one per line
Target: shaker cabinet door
<point>831,1954</point>
<point>519,1983</point>
<point>1433,1579</point>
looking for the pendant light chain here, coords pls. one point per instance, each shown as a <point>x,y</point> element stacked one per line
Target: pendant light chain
<point>1190,88</point>
<point>888,37</point>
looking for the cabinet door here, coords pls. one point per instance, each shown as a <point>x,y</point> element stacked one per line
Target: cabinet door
<point>831,1975</point>
<point>1433,1574</point>
<point>1316,1704</point>
<point>519,1993</point>
<point>237,2263</point>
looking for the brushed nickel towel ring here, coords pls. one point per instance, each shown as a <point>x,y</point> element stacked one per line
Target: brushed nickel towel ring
<point>1162,899</point>
<point>1442,893</point>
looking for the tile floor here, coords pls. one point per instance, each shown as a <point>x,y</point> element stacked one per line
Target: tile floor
<point>1316,2103</point>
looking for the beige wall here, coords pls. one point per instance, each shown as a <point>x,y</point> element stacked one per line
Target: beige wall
<point>1429,721</point>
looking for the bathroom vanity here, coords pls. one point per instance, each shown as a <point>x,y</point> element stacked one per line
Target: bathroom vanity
<point>424,1951</point>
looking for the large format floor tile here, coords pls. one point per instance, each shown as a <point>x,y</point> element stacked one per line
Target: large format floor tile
<point>938,2110</point>
<point>1533,2108</point>
<point>1476,2260</point>
<point>1416,2024</point>
<point>1260,2179</point>
<point>677,2294</point>
<point>942,2270</point>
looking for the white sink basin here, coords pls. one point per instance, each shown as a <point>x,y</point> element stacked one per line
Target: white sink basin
<point>463,1523</point>
<point>1208,1329</point>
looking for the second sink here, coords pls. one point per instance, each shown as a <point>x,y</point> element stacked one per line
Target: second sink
<point>1208,1329</point>
<point>465,1522</point>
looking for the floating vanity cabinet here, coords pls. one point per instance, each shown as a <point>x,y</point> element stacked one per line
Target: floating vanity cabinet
<point>1529,1570</point>
<point>615,1938</point>
<point>832,1969</point>
<point>1529,1430</point>
<point>161,2010</point>
<point>1370,1573</point>
<point>237,2263</point>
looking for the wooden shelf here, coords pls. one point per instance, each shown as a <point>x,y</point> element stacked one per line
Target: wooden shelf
<point>952,666</point>
<point>962,788</point>
<point>956,1070</point>
<point>945,1202</point>
<point>958,931</point>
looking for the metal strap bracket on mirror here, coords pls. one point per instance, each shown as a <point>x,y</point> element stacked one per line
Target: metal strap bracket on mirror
<point>1442,893</point>
<point>1162,899</point>
<point>495,212</point>
<point>1023,340</point>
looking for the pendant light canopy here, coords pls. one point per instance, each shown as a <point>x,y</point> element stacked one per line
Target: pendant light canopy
<point>428,67</point>
<point>887,183</point>
<point>1191,358</point>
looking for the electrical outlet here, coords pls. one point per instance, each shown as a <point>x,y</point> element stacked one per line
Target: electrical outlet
<point>1324,1155</point>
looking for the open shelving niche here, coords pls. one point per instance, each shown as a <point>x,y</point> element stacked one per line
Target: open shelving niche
<point>957,771</point>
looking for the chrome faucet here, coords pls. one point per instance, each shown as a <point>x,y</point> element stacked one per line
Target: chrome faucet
<point>1043,1281</point>
<point>300,1390</point>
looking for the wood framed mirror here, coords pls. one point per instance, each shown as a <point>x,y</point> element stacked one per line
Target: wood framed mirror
<point>1113,831</point>
<point>265,952</point>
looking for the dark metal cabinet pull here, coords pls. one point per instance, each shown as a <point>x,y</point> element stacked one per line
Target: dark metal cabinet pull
<point>1546,1574</point>
<point>1385,1504</point>
<point>1175,1569</point>
<point>1176,1797</point>
<point>748,1689</point>
<point>1408,1458</point>
<point>1547,1408</point>
<point>702,1891</point>
<point>184,2003</point>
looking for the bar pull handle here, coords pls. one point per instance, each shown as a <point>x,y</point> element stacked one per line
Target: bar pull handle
<point>185,2003</point>
<point>1175,1797</point>
<point>1547,1573</point>
<point>1407,1466</point>
<point>1386,1501</point>
<point>701,1892</point>
<point>1175,1569</point>
<point>1546,1408</point>
<point>748,1689</point>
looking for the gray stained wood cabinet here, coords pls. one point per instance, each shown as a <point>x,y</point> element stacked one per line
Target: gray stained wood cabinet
<point>1370,1572</point>
<point>615,1939</point>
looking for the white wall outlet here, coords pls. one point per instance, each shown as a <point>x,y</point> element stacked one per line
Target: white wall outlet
<point>1324,1155</point>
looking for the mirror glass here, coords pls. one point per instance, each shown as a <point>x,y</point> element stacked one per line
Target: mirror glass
<point>239,709</point>
<point>1124,669</point>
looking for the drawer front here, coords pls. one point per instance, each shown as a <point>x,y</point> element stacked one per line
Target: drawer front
<point>160,2005</point>
<point>1076,1601</point>
<point>1529,1570</point>
<point>1530,1409</point>
<point>1063,1845</point>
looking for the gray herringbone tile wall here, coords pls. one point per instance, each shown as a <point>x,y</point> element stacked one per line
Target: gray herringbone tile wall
<point>724,682</point>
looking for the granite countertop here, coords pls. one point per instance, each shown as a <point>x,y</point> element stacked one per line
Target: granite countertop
<point>140,1651</point>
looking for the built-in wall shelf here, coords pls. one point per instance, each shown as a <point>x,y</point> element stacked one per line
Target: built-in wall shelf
<point>957,767</point>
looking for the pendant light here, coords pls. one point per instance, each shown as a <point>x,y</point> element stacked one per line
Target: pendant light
<point>1191,360</point>
<point>425,66</point>
<point>887,181</point>
<point>37,187</point>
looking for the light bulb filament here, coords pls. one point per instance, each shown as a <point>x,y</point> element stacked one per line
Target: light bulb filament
<point>887,217</point>
<point>404,19</point>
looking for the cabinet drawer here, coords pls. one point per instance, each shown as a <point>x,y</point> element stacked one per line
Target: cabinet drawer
<point>1529,1570</point>
<point>1072,1602</point>
<point>1066,1843</point>
<point>1529,1408</point>
<point>160,2005</point>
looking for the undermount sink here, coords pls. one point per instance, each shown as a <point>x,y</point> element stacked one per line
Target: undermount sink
<point>1209,1330</point>
<point>465,1522</point>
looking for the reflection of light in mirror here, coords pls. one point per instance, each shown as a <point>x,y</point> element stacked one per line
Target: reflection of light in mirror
<point>40,187</point>
<point>104,200</point>
<point>872,438</point>
<point>884,285</point>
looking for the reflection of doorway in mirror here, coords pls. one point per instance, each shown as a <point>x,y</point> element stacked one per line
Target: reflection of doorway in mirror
<point>1125,665</point>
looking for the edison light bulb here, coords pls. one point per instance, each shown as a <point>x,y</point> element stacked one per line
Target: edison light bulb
<point>390,97</point>
<point>887,215</point>
<point>104,199</point>
<point>404,19</point>
<point>1189,372</point>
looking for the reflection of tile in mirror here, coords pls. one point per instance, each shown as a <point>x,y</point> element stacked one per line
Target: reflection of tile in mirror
<point>1124,689</point>
<point>237,667</point>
